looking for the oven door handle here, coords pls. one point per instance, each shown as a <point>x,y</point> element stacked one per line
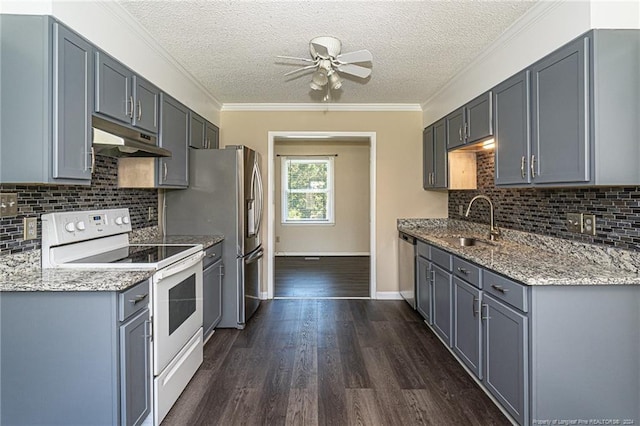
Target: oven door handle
<point>180,266</point>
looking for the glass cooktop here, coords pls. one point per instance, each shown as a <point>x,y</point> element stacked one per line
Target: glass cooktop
<point>134,254</point>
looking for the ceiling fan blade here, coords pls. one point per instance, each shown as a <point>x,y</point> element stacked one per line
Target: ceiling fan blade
<point>308,67</point>
<point>295,59</point>
<point>356,70</point>
<point>321,50</point>
<point>357,56</point>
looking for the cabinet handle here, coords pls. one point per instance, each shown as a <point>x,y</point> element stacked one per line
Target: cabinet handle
<point>466,130</point>
<point>206,143</point>
<point>433,276</point>
<point>460,133</point>
<point>139,298</point>
<point>211,255</point>
<point>148,330</point>
<point>533,168</point>
<point>486,316</point>
<point>222,270</point>
<point>522,160</point>
<point>139,110</point>
<point>464,271</point>
<point>131,104</point>
<point>499,288</point>
<point>92,153</point>
<point>164,175</point>
<point>473,306</point>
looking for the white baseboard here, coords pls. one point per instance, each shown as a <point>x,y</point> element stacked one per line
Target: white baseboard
<point>388,295</point>
<point>336,253</point>
<point>263,295</point>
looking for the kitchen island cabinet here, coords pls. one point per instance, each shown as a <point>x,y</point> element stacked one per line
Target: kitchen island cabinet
<point>79,357</point>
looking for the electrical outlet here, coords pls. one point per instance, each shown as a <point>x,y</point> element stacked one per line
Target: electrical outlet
<point>461,210</point>
<point>589,224</point>
<point>277,239</point>
<point>30,225</point>
<point>151,213</point>
<point>574,222</point>
<point>8,204</point>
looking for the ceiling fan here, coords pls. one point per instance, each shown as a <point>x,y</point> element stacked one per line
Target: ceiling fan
<point>328,62</point>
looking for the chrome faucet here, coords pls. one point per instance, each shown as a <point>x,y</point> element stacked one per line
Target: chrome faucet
<point>494,232</point>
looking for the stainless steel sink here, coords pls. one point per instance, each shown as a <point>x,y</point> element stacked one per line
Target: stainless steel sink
<point>469,241</point>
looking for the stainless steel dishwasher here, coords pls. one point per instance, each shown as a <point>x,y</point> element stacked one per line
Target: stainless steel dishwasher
<point>407,268</point>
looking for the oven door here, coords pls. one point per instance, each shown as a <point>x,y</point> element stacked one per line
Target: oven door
<point>177,308</point>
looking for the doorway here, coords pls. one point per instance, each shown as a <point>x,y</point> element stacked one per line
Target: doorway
<point>334,255</point>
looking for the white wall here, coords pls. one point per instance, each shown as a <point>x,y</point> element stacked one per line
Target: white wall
<point>107,25</point>
<point>350,232</point>
<point>547,26</point>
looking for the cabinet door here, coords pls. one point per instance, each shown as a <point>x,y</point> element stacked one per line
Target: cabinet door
<point>146,97</point>
<point>135,369</point>
<point>212,136</point>
<point>211,297</point>
<point>455,129</point>
<point>113,89</point>
<point>440,165</point>
<point>478,118</point>
<point>467,325</point>
<point>73,105</point>
<point>174,136</point>
<point>505,344</point>
<point>560,150</point>
<point>424,290</point>
<point>196,131</point>
<point>511,103</point>
<point>427,157</point>
<point>441,302</point>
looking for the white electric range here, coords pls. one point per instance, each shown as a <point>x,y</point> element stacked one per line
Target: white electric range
<point>99,239</point>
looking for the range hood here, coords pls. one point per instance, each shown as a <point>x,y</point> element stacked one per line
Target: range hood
<point>114,140</point>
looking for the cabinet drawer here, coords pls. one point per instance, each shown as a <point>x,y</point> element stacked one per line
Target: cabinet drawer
<point>132,300</point>
<point>212,255</point>
<point>467,271</point>
<point>423,249</point>
<point>441,258</point>
<point>504,289</point>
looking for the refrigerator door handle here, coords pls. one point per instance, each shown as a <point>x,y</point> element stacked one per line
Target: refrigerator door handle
<point>251,223</point>
<point>260,200</point>
<point>254,257</point>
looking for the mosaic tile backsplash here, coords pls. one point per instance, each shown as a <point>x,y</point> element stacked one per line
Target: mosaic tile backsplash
<point>34,200</point>
<point>543,211</point>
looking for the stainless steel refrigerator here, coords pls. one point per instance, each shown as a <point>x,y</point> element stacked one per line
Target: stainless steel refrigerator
<point>225,196</point>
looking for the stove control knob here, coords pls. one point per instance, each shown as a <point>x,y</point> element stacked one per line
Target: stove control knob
<point>80,226</point>
<point>70,227</point>
<point>119,220</point>
<point>125,220</point>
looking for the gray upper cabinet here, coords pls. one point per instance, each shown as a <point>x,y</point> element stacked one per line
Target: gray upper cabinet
<point>46,102</point>
<point>560,147</point>
<point>467,325</point>
<point>471,123</point>
<point>202,134</point>
<point>174,135</point>
<point>584,115</point>
<point>123,96</point>
<point>434,148</point>
<point>512,126</point>
<point>506,356</point>
<point>212,136</point>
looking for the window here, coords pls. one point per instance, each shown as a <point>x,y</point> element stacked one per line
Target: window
<point>307,190</point>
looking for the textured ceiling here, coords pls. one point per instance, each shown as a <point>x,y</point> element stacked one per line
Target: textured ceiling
<point>231,46</point>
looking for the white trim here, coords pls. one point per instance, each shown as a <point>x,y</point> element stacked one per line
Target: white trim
<point>534,14</point>
<point>389,295</point>
<point>320,107</point>
<point>263,295</point>
<point>320,254</point>
<point>271,216</point>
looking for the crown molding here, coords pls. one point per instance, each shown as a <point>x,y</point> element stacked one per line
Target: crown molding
<point>122,14</point>
<point>537,12</point>
<point>321,107</point>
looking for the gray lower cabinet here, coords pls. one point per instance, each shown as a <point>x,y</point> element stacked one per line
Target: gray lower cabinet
<point>174,135</point>
<point>424,288</point>
<point>212,276</point>
<point>77,357</point>
<point>434,152</point>
<point>124,96</point>
<point>505,342</point>
<point>442,302</point>
<point>467,325</point>
<point>46,102</point>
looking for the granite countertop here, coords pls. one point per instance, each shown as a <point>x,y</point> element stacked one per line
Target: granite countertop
<point>22,272</point>
<point>528,258</point>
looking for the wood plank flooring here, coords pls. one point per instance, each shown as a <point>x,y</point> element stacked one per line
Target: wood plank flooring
<point>328,276</point>
<point>331,362</point>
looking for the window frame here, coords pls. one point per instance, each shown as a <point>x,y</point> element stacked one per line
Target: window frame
<point>330,190</point>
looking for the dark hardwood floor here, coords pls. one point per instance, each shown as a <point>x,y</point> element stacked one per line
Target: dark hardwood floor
<point>331,362</point>
<point>326,276</point>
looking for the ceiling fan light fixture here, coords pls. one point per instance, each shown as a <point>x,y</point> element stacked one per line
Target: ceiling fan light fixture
<point>315,86</point>
<point>320,77</point>
<point>334,80</point>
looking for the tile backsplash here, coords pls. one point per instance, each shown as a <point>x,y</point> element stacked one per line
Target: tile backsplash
<point>34,200</point>
<point>543,211</point>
